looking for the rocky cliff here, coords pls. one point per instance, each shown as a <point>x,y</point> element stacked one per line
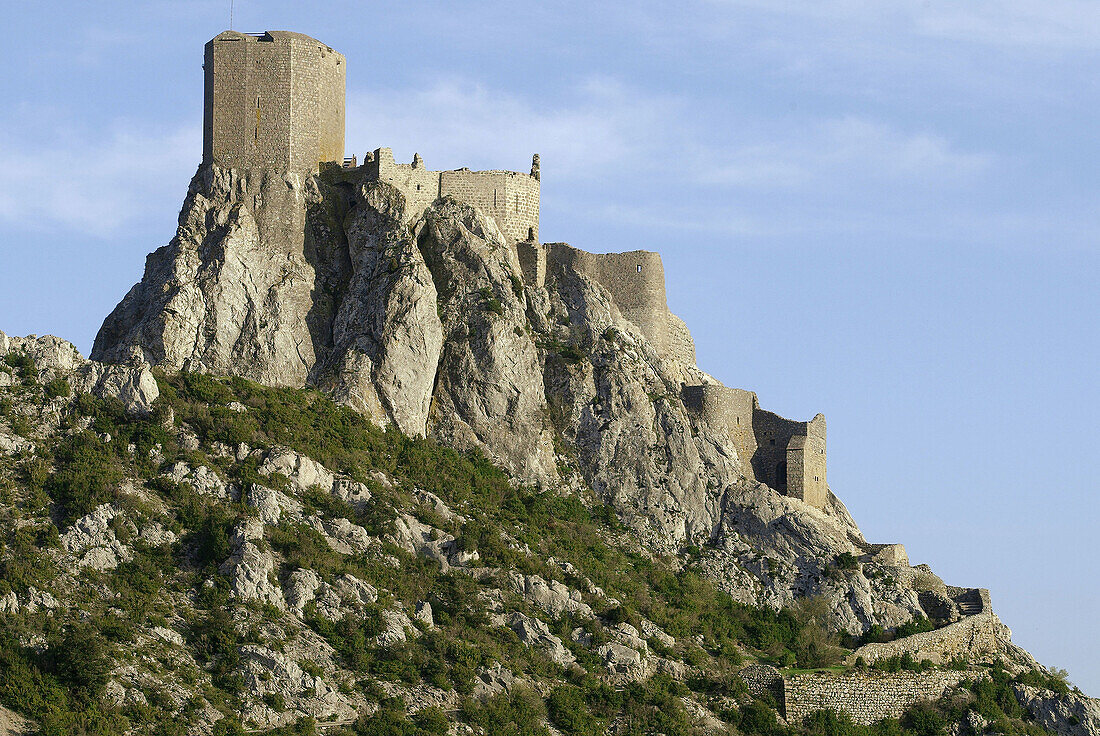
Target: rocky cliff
<point>428,323</point>
<point>509,514</point>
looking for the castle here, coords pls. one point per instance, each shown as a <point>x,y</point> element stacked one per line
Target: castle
<point>276,100</point>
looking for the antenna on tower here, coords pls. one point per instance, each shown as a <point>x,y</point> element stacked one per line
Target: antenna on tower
<point>231,15</point>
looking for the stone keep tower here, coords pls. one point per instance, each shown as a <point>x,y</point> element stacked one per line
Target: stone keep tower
<point>274,100</point>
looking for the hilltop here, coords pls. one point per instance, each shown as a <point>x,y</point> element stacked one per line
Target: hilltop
<point>360,454</point>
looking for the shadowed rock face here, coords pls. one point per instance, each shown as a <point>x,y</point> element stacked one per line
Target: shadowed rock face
<point>427,323</point>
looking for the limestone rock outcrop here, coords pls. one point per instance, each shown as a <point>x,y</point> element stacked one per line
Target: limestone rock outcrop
<point>233,292</point>
<point>133,385</point>
<point>1071,714</point>
<point>539,356</point>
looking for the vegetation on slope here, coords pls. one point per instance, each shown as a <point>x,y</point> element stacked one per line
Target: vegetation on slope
<point>56,665</point>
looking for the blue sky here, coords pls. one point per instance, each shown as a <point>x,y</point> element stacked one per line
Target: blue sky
<point>885,211</point>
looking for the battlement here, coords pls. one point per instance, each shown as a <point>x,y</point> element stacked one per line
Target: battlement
<point>273,100</point>
<point>786,455</point>
<point>511,198</point>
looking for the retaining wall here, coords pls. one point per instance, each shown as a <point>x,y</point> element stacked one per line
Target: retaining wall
<point>866,697</point>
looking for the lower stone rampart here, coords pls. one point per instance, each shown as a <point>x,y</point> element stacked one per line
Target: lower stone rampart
<point>866,697</point>
<point>765,682</point>
<point>970,637</point>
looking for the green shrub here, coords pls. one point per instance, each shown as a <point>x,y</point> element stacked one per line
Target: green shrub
<point>847,561</point>
<point>351,635</point>
<point>30,685</point>
<point>918,625</point>
<point>757,718</point>
<point>23,363</point>
<point>924,719</point>
<point>517,712</point>
<point>22,425</point>
<point>570,713</point>
<point>831,723</point>
<point>58,387</point>
<point>275,701</point>
<point>79,659</point>
<point>1055,681</point>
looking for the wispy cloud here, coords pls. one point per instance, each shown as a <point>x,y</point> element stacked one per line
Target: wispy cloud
<point>597,125</point>
<point>1055,24</point>
<point>92,182</point>
<point>849,149</point>
<point>619,154</point>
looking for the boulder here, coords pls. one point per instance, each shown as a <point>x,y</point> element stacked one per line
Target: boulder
<point>535,633</point>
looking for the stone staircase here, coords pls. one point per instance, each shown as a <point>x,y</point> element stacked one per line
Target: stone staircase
<point>970,602</point>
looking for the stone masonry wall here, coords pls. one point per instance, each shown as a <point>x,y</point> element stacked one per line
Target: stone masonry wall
<point>773,434</point>
<point>635,280</point>
<point>731,409</point>
<point>275,101</point>
<point>532,261</point>
<point>786,455</point>
<point>766,682</point>
<point>509,197</point>
<point>972,636</point>
<point>680,344</point>
<point>774,454</point>
<point>420,186</point>
<point>866,697</point>
<point>806,464</point>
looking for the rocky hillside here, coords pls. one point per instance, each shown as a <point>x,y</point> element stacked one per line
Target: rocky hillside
<point>241,558</point>
<point>427,324</point>
<point>338,468</point>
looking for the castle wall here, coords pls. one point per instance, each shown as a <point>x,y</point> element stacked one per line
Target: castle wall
<point>509,197</point>
<point>889,554</point>
<point>969,637</point>
<point>420,186</point>
<point>274,102</point>
<point>532,262</point>
<point>773,434</point>
<point>806,464</point>
<point>730,409</point>
<point>635,280</point>
<point>786,455</point>
<point>681,347</point>
<point>764,681</point>
<point>317,95</point>
<point>866,697</point>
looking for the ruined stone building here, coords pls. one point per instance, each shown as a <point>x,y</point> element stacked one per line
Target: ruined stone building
<point>276,100</point>
<point>786,455</point>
